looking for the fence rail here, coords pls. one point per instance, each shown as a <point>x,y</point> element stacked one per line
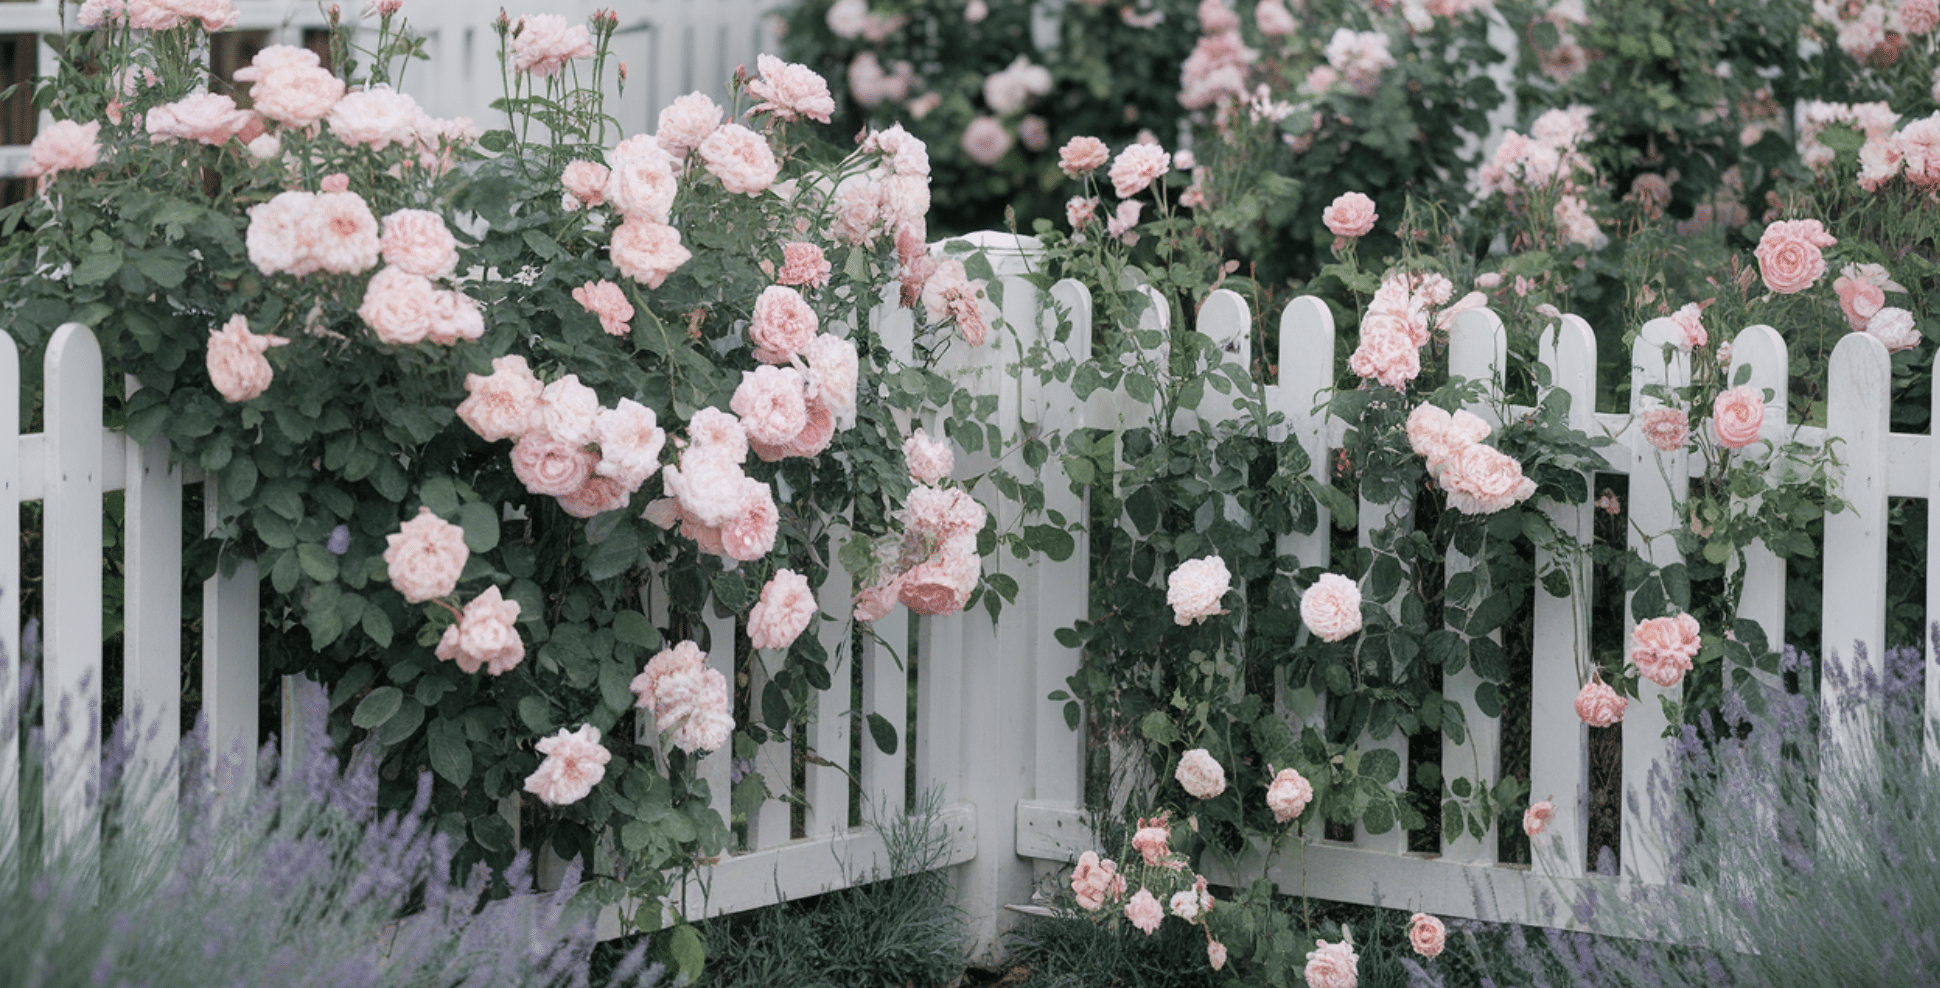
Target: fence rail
<point>1008,771</point>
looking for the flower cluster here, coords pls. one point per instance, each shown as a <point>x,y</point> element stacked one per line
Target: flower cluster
<point>1545,174</point>
<point>688,699</point>
<point>1662,648</point>
<point>933,566</point>
<point>1400,320</point>
<point>1876,33</point>
<point>575,762</point>
<point>1097,883</point>
<point>1479,479</point>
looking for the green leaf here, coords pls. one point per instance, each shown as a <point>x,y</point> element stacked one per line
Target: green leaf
<point>633,628</point>
<point>1072,714</point>
<point>1158,728</point>
<point>689,952</point>
<point>318,562</point>
<point>97,268</point>
<point>536,713</point>
<point>377,625</point>
<point>1488,700</point>
<point>884,734</point>
<point>731,591</point>
<point>1380,764</point>
<point>451,754</point>
<point>1451,822</point>
<point>616,685</point>
<point>480,522</point>
<point>615,554</point>
<point>440,494</point>
<point>1379,818</point>
<point>1051,540</point>
<point>774,706</point>
<point>380,706</point>
<point>1462,788</point>
<point>496,141</point>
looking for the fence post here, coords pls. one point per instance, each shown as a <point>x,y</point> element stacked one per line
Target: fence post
<point>230,618</point>
<point>1929,645</point>
<point>1659,486</point>
<point>71,598</point>
<point>152,633</point>
<point>1858,402</point>
<point>1559,766</point>
<point>1306,372</point>
<point>1763,600</point>
<point>829,736</point>
<point>9,603</point>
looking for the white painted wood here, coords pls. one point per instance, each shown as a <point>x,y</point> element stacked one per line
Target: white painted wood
<point>1763,350</point>
<point>152,629</point>
<point>1305,375</point>
<point>1559,767</point>
<point>1929,641</point>
<point>829,737</point>
<point>1477,351</point>
<point>230,614</point>
<point>1857,413</point>
<point>769,826</point>
<point>1374,518</point>
<point>1058,592</point>
<point>885,657</point>
<point>71,594</point>
<point>10,583</point>
<point>1656,511</point>
<point>717,767</point>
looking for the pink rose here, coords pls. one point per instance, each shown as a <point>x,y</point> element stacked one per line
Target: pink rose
<point>418,241</point>
<point>595,497</point>
<point>1080,210</point>
<point>1193,590</point>
<point>641,182</point>
<point>1536,818</point>
<point>425,557</point>
<point>486,636</point>
<point>567,410</point>
<point>750,533</point>
<point>1667,429</point>
<point>790,91</point>
<point>1145,912</point>
<point>1437,436</point>
<point>347,241</point>
<point>1123,220</point>
<point>1081,156</point>
<point>1331,608</point>
<point>1426,934</point>
<point>376,118</point>
<point>1481,480</point>
<point>771,403</point>
<point>1598,705</point>
<point>684,657</point>
<point>1894,327</point>
<point>63,146</point>
<point>586,182</point>
<point>1200,774</point>
<point>692,704</point>
<point>1094,881</point>
<point>205,117</point>
<point>1351,215</point>
<point>833,366</point>
<point>398,306</point>
<point>1288,795</point>
<point>1332,965</point>
<point>686,122</point>
<point>986,140</point>
<point>630,441</point>
<point>1136,167</point>
<point>804,266</point>
<point>1151,840</point>
<point>874,603</point>
<point>542,44</point>
<point>548,466</point>
<point>290,85</point>
<point>1690,330</point>
<point>1274,20</point>
<point>647,251</point>
<point>1737,415</point>
<point>942,513</point>
<point>1216,951</point>
<point>454,316</point>
<point>784,611</point>
<point>942,584</point>
<point>1859,300</point>
<point>929,461</point>
<point>236,363</point>
<point>608,301</point>
<point>1788,255</point>
<point>1919,17</point>
<point>505,404</point>
<point>1390,357</point>
<point>1662,648</point>
<point>575,763</point>
<point>1184,904</point>
<point>783,325</point>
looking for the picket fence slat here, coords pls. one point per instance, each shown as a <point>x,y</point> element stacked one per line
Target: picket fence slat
<point>769,826</point>
<point>827,782</point>
<point>1930,646</point>
<point>151,631</point>
<point>1858,406</point>
<point>1059,589</point>
<point>1763,598</point>
<point>718,769</point>
<point>71,585</point>
<point>10,585</point>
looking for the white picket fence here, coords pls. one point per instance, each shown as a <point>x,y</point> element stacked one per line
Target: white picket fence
<point>670,48</point>
<point>1009,772</point>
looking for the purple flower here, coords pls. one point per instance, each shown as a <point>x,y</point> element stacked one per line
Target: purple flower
<point>339,540</point>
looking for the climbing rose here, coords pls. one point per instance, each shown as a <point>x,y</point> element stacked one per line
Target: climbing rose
<point>1536,818</point>
<point>942,585</point>
<point>546,465</point>
<point>630,440</point>
<point>486,636</point>
<point>1894,327</point>
<point>1151,839</point>
<point>790,91</point>
<point>237,366</point>
<point>693,704</point>
<point>1082,155</point>
<point>783,613</point>
<point>1194,589</point>
<point>608,301</point>
<point>585,183</point>
<point>1663,648</point>
<point>1668,429</point>
<point>1737,415</point>
<point>64,146</point>
<point>1351,215</point>
<point>1145,912</point>
<point>542,44</point>
<point>1184,904</point>
<point>425,557</point>
<point>929,461</point>
<point>1136,167</point>
<point>680,658</point>
<point>804,265</point>
<point>1482,480</point>
<point>783,325</point>
<point>1599,705</point>
<point>1426,934</point>
<point>647,251</point>
<point>1216,951</point>
<point>398,306</point>
<point>686,122</point>
<point>1438,436</point>
<point>771,403</point>
<point>595,497</point>
<point>505,404</point>
<point>418,241</point>
<point>1331,608</point>
<point>1332,965</point>
<point>575,763</point>
<point>1094,881</point>
<point>1200,774</point>
<point>750,533</point>
<point>1788,255</point>
<point>1288,795</point>
<point>740,158</point>
<point>290,85</point>
<point>1691,333</point>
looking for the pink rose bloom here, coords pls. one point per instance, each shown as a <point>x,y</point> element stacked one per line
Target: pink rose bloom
<point>280,234</point>
<point>1536,818</point>
<point>425,557</point>
<point>1331,608</point>
<point>376,118</point>
<point>1094,881</point>
<point>1136,167</point>
<point>1736,416</point>
<point>96,13</point>
<point>505,404</point>
<point>630,441</point>
<point>1288,795</point>
<point>347,241</point>
<point>1123,220</point>
<point>942,513</point>
<point>567,409</point>
<point>1667,429</point>
<point>542,44</point>
<point>1145,912</point>
<point>1482,480</point>
<point>647,251</point>
<point>398,306</point>
<point>804,266</point>
<point>585,182</point>
<point>1894,327</point>
<point>874,603</point>
<point>337,182</point>
<point>1151,839</point>
<point>1662,648</point>
<point>1081,156</point>
<point>713,429</point>
<point>790,91</point>
<point>686,122</point>
<point>1446,318</point>
<point>486,636</point>
<point>1332,965</point>
<point>783,325</point>
<point>1919,17</point>
<point>693,705</point>
<point>1351,215</point>
<point>1859,300</point>
<point>641,182</point>
<point>237,366</point>
<point>1200,774</point>
<point>607,301</point>
<point>205,117</point>
<point>1437,436</point>
<point>1274,19</point>
<point>417,241</point>
<point>750,534</point>
<point>1184,904</point>
<point>1598,705</point>
<point>290,85</point>
<point>857,210</point>
<point>1034,131</point>
<point>1080,210</point>
<point>786,606</point>
<point>1686,320</point>
<point>550,467</point>
<point>740,158</point>
<point>595,497</point>
<point>575,763</point>
<point>684,657</point>
<point>942,584</point>
<point>771,403</point>
<point>1216,951</point>
<point>832,370</point>
<point>1788,255</point>
<point>1390,357</point>
<point>63,146</point>
<point>1426,934</point>
<point>986,140</point>
<point>1194,589</point>
<point>929,461</point>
